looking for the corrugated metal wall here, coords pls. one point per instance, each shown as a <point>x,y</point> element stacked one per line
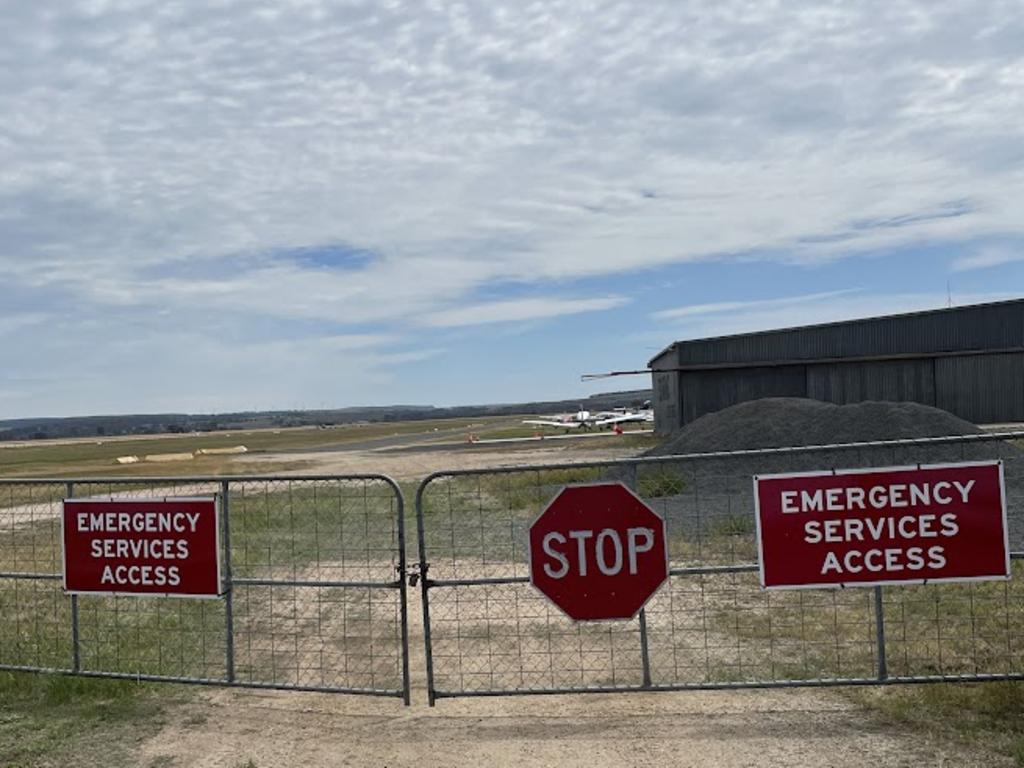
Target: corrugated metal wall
<point>897,380</point>
<point>667,405</point>
<point>807,362</point>
<point>710,391</point>
<point>985,389</point>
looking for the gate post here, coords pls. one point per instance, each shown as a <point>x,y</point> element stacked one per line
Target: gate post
<point>76,643</point>
<point>645,653</point>
<point>403,593</point>
<point>883,667</point>
<point>228,586</point>
<point>424,587</point>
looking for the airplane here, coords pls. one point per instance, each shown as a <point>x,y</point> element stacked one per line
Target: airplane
<point>645,413</point>
<point>584,419</point>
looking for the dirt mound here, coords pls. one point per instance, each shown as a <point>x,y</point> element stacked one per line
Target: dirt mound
<point>793,421</point>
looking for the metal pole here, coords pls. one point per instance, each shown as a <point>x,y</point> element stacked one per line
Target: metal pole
<point>424,591</point>
<point>229,617</point>
<point>76,642</point>
<point>883,667</point>
<point>403,595</point>
<point>645,656</point>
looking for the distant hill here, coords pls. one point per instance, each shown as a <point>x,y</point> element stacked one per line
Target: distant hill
<point>160,423</point>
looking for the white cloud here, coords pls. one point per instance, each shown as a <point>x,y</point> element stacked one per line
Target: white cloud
<point>325,344</point>
<point>161,159</point>
<point>988,257</point>
<point>519,310</point>
<point>693,310</point>
<point>151,132</point>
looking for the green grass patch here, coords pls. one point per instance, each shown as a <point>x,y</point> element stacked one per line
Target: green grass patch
<point>948,629</point>
<point>655,482</point>
<point>48,720</point>
<point>483,518</point>
<point>734,525</point>
<point>990,715</point>
<point>295,524</point>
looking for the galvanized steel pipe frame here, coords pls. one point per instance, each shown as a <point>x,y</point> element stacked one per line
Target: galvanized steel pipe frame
<point>224,483</point>
<point>882,677</point>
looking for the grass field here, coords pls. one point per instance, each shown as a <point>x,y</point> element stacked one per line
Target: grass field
<point>96,458</point>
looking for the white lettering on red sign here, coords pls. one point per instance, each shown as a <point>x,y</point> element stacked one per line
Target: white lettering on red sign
<point>598,552</point>
<point>922,523</point>
<point>876,497</point>
<point>638,541</point>
<point>142,546</point>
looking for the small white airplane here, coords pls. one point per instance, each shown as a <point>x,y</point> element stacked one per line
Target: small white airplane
<point>584,419</point>
<point>627,415</point>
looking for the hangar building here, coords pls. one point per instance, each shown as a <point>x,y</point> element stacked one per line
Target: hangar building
<point>966,360</point>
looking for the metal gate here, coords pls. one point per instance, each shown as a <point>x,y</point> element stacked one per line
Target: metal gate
<point>315,592</point>
<point>488,632</point>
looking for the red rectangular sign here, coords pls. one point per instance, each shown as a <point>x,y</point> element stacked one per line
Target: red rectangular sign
<point>943,522</point>
<point>142,547</point>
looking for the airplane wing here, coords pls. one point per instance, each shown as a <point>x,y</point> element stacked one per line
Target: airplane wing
<point>619,418</point>
<point>625,418</point>
<point>550,423</point>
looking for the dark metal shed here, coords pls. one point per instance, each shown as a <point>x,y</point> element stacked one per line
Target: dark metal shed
<point>966,360</point>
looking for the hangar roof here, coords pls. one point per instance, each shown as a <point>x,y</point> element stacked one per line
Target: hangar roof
<point>990,326</point>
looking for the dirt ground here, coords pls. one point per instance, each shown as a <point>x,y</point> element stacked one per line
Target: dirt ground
<point>227,729</point>
<point>806,728</point>
<point>402,465</point>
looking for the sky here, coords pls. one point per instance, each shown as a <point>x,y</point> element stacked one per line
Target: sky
<point>224,205</point>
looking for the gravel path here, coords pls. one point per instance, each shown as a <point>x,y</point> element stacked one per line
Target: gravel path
<point>809,729</point>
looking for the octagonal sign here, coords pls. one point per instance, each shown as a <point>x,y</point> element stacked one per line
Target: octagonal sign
<point>598,552</point>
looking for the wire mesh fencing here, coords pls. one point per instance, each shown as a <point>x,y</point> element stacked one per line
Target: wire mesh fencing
<point>489,632</point>
<point>314,589</point>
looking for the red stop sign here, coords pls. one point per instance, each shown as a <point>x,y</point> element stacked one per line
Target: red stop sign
<point>598,552</point>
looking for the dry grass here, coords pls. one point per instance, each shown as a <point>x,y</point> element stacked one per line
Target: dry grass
<point>48,720</point>
<point>949,629</point>
<point>96,458</point>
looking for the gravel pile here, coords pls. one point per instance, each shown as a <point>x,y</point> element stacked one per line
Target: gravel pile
<point>698,496</point>
<point>777,422</point>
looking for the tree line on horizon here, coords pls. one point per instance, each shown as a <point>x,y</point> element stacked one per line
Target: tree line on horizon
<point>179,423</point>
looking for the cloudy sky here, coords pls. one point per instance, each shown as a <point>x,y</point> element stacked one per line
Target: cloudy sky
<point>222,205</point>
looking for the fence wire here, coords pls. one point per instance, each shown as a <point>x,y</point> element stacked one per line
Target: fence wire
<point>489,632</point>
<point>315,594</point>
